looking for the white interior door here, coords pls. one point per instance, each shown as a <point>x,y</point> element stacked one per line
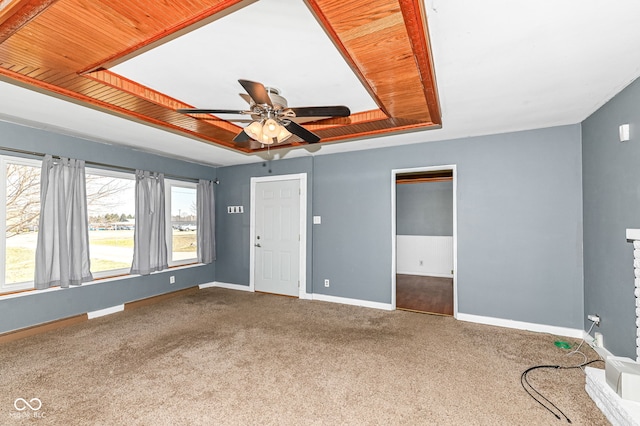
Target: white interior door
<point>277,237</point>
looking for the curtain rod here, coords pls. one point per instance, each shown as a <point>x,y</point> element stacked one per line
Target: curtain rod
<point>93,163</point>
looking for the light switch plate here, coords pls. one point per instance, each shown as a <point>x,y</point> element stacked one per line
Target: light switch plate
<point>317,220</point>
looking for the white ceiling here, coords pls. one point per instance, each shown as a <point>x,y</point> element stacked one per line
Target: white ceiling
<point>308,71</point>
<point>501,65</point>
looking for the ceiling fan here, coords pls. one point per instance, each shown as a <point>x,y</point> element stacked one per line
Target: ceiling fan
<point>272,120</point>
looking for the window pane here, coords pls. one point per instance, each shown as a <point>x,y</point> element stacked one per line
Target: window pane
<point>22,216</point>
<point>111,209</point>
<point>183,223</point>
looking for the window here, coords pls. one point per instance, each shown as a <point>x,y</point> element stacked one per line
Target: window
<point>111,216</point>
<point>182,222</point>
<point>20,217</point>
<point>111,210</point>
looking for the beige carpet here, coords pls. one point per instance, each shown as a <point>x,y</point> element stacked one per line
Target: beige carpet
<point>221,357</point>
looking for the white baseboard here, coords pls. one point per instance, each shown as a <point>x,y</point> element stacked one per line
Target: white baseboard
<point>306,296</point>
<point>240,287</point>
<point>225,285</point>
<point>520,325</point>
<point>105,311</point>
<point>354,302</point>
<point>309,296</point>
<point>602,351</point>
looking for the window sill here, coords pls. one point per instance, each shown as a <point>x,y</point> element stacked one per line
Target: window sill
<point>28,292</point>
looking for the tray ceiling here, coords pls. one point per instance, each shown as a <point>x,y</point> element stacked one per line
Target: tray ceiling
<point>142,60</point>
<point>501,66</point>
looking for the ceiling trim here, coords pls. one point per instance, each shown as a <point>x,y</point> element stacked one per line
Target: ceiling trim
<point>18,13</point>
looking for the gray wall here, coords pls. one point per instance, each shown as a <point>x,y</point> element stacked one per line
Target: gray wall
<point>611,205</point>
<point>519,222</point>
<point>39,307</point>
<point>424,208</point>
<point>232,230</point>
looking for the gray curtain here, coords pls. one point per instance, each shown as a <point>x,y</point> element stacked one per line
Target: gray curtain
<point>62,250</point>
<point>206,211</point>
<point>149,246</point>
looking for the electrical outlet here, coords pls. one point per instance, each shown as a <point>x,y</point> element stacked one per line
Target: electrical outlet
<point>326,283</point>
<point>172,279</point>
<point>595,319</point>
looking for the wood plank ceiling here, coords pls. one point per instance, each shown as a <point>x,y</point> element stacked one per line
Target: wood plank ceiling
<point>67,46</point>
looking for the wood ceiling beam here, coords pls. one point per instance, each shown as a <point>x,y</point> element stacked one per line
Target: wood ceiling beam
<point>222,8</point>
<point>355,118</point>
<point>221,139</point>
<point>417,29</point>
<point>326,24</point>
<point>384,43</point>
<point>129,86</point>
<point>18,13</point>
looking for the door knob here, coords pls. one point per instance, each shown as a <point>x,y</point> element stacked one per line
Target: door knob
<point>258,245</point>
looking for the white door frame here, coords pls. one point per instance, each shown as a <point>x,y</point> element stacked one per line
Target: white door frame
<point>302,270</point>
<point>394,173</point>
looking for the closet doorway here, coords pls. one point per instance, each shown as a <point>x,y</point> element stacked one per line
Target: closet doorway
<point>424,237</point>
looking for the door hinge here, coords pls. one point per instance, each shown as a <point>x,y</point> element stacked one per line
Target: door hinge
<point>298,283</point>
<point>298,237</point>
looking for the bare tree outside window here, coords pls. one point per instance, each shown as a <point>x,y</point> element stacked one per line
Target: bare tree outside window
<point>110,203</point>
<point>103,193</point>
<point>22,211</point>
<point>23,199</point>
<point>111,209</point>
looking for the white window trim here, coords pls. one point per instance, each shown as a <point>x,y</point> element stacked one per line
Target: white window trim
<point>168,184</point>
<point>4,160</point>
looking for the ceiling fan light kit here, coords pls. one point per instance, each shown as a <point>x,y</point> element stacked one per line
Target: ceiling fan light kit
<point>267,132</point>
<point>273,121</point>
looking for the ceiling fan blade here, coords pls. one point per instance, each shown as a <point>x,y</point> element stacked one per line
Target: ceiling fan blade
<point>232,120</point>
<point>211,111</point>
<point>257,91</point>
<point>246,97</point>
<point>242,137</point>
<point>322,111</point>
<point>301,132</point>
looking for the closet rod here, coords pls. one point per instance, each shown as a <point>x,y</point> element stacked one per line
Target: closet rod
<point>93,163</point>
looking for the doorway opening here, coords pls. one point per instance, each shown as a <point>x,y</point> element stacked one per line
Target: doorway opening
<point>278,235</point>
<point>424,240</point>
